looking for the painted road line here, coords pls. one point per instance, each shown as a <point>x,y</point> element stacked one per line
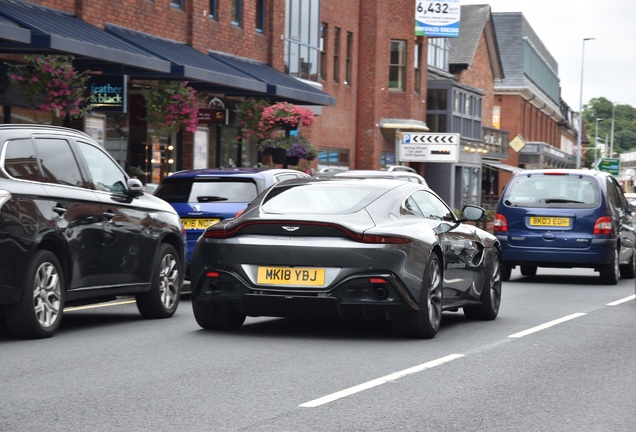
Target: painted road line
<point>99,305</point>
<point>379,381</point>
<point>546,325</point>
<point>625,300</point>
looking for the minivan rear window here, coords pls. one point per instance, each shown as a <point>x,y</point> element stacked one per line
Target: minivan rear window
<point>235,190</point>
<point>553,191</point>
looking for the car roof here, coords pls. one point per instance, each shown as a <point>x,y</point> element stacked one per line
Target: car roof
<point>568,171</point>
<point>232,172</point>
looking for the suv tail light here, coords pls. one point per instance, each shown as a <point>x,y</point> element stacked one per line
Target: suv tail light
<point>499,224</point>
<point>603,225</point>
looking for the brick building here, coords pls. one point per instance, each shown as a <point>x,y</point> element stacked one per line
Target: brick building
<point>358,65</point>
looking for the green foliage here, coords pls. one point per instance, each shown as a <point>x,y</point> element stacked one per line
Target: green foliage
<point>624,124</point>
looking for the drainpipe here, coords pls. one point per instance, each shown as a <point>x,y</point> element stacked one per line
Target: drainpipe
<point>361,38</point>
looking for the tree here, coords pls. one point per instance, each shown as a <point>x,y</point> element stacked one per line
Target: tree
<point>624,123</point>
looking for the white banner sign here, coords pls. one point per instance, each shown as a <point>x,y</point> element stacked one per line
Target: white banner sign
<point>437,18</point>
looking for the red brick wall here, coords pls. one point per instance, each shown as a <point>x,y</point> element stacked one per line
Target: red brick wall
<point>480,75</point>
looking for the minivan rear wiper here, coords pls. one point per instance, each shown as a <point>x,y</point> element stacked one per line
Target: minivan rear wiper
<point>210,198</point>
<point>562,200</point>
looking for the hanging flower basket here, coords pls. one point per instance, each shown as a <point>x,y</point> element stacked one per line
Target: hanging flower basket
<point>170,106</point>
<point>285,116</point>
<point>249,114</point>
<point>294,148</point>
<point>51,84</point>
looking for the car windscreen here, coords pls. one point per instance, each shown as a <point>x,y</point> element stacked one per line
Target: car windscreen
<point>554,191</point>
<point>221,189</point>
<point>322,198</point>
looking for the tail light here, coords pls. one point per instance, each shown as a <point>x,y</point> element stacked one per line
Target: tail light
<point>603,225</point>
<point>499,224</point>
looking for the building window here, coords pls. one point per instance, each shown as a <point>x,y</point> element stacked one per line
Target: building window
<point>213,13</point>
<point>438,53</point>
<point>237,12</point>
<point>418,68</point>
<point>336,158</point>
<point>397,65</point>
<point>467,111</point>
<point>302,38</point>
<point>323,51</point>
<point>336,55</point>
<point>349,59</point>
<point>260,16</point>
<point>177,4</point>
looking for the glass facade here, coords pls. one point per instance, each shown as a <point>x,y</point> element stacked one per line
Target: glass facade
<point>302,38</point>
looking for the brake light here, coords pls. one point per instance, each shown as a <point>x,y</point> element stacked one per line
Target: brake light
<point>603,225</point>
<point>499,224</point>
<point>382,239</point>
<point>238,213</point>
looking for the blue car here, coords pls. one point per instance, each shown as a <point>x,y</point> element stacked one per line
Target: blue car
<point>205,197</point>
<point>566,219</point>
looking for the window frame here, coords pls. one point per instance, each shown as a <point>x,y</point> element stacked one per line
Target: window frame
<point>237,13</point>
<point>397,69</point>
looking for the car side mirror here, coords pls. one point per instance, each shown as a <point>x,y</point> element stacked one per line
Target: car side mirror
<point>472,213</point>
<point>135,188</point>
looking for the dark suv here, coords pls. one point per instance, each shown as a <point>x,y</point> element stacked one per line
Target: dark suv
<point>75,229</point>
<point>563,219</point>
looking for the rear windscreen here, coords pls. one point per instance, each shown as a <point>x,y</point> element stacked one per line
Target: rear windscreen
<point>552,191</point>
<point>236,190</point>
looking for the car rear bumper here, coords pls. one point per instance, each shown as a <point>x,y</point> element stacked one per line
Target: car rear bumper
<point>354,299</point>
<point>600,253</point>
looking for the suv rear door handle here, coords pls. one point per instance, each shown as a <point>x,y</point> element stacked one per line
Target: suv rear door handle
<point>109,214</point>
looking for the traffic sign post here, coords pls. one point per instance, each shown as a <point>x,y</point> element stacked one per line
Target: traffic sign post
<point>609,165</point>
<point>430,147</point>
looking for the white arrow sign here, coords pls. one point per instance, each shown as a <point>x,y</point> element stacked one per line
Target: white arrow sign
<point>430,147</point>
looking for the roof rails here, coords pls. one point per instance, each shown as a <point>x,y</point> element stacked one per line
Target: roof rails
<point>401,168</point>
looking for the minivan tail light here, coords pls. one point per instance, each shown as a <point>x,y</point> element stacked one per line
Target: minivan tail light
<point>499,224</point>
<point>603,225</point>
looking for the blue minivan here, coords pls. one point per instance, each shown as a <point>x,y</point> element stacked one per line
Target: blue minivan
<point>564,218</point>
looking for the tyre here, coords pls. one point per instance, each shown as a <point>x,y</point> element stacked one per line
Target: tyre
<point>424,322</point>
<point>38,314</point>
<point>506,271</point>
<point>490,292</point>
<point>165,289</point>
<point>528,270</point>
<point>610,273</point>
<point>628,271</point>
<point>217,316</point>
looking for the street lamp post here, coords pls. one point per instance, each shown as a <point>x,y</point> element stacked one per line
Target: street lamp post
<point>580,132</point>
<point>596,139</point>
<point>612,132</point>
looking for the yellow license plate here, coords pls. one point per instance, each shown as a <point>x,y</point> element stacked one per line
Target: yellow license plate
<point>307,276</point>
<point>549,221</point>
<point>199,223</point>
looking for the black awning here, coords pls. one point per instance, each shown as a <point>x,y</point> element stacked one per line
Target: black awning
<point>279,84</point>
<point>10,31</point>
<point>190,64</point>
<point>56,32</point>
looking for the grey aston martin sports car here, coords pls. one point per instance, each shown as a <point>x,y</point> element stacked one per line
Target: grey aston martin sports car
<point>350,249</point>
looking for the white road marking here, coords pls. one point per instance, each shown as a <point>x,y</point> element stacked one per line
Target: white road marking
<point>379,381</point>
<point>546,325</point>
<point>626,299</point>
<point>99,305</point>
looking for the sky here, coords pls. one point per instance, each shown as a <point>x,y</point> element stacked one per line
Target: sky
<point>609,61</point>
